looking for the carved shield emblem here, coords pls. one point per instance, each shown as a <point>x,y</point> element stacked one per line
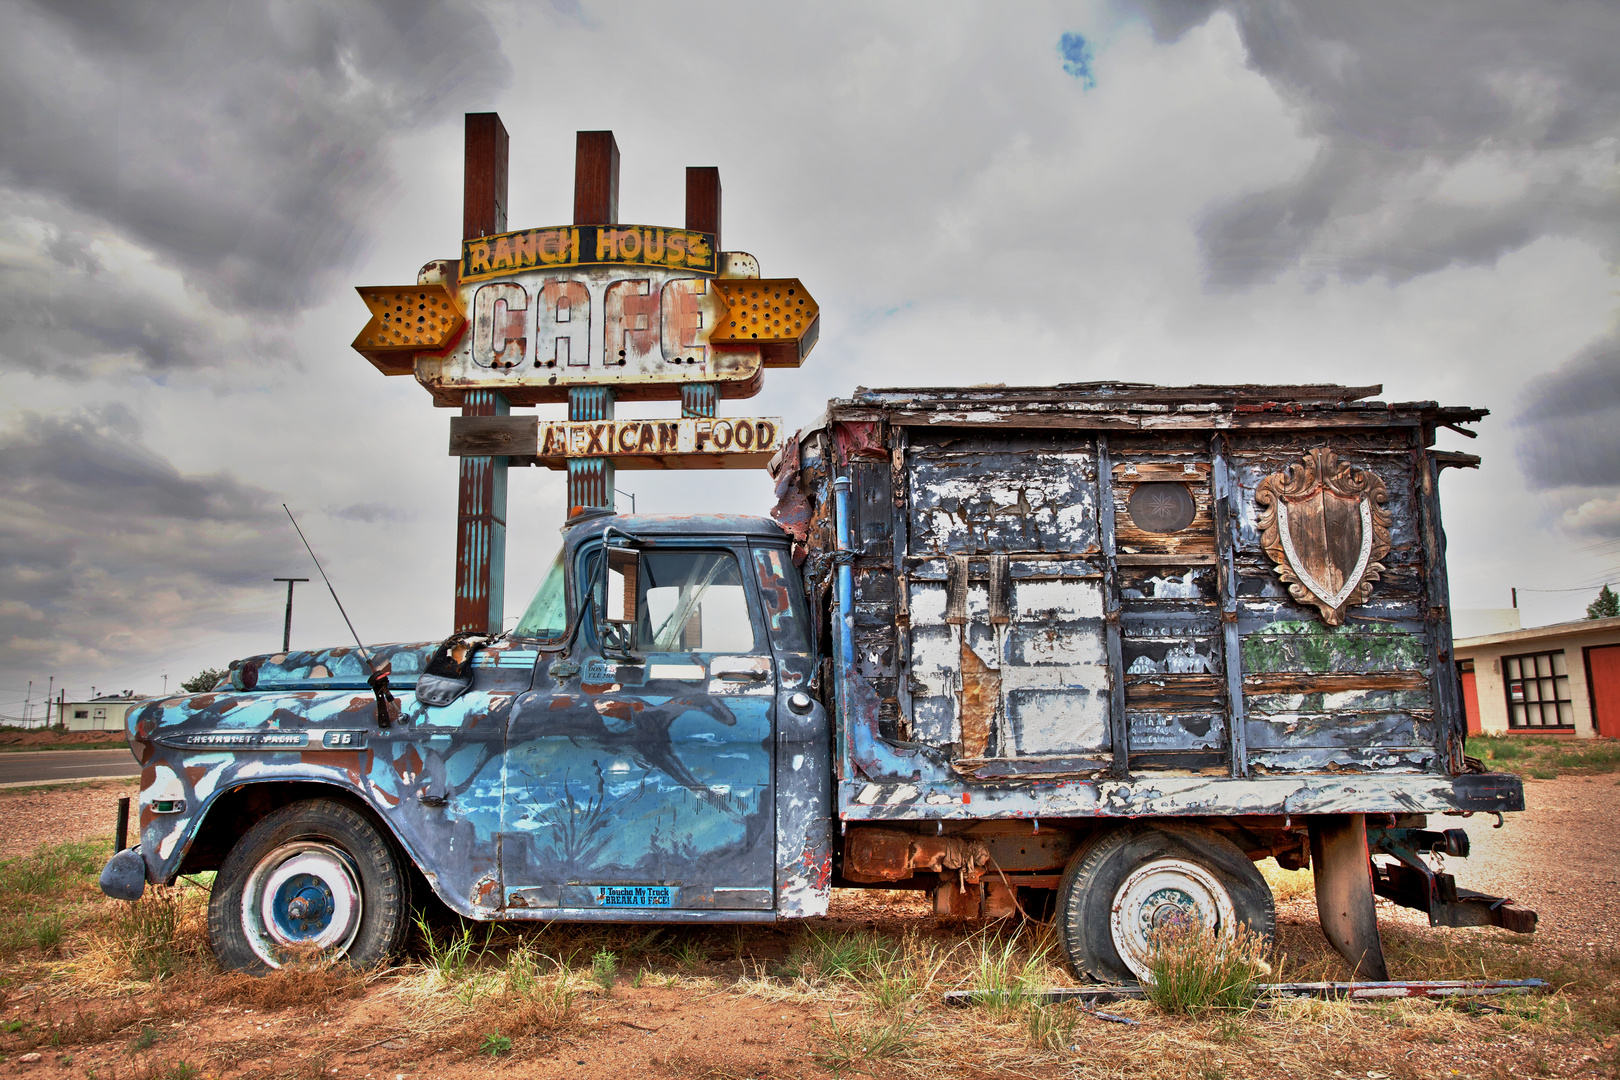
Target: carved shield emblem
<point>1325,527</point>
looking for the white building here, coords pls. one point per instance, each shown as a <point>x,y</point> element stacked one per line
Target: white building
<point>105,713</point>
<point>1562,679</point>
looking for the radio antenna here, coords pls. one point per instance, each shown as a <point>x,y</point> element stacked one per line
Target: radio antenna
<point>387,704</point>
<point>365,655</point>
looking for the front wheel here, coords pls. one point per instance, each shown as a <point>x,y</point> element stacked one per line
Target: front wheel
<point>314,877</point>
<point>1139,879</point>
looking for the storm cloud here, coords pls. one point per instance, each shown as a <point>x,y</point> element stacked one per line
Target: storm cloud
<point>1446,133</point>
<point>1220,191</point>
<point>108,551</point>
<point>243,143</point>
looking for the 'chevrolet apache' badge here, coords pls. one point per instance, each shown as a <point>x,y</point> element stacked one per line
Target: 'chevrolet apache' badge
<point>1325,527</point>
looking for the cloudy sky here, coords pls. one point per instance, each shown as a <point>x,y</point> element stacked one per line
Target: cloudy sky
<point>1425,196</point>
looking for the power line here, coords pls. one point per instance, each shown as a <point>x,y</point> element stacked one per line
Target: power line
<point>1582,588</point>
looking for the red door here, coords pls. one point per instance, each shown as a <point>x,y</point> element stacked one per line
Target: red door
<point>1470,697</point>
<point>1603,684</point>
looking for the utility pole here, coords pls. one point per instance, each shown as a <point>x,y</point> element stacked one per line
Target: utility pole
<point>286,629</point>
<point>628,495</point>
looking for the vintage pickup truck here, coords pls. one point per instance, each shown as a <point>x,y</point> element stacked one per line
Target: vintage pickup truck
<point>1083,652</point>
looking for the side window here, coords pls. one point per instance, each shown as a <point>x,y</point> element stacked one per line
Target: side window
<point>783,596</point>
<point>693,601</point>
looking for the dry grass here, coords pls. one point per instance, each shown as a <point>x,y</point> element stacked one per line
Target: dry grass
<point>1288,885</point>
<point>877,987</point>
<point>313,986</point>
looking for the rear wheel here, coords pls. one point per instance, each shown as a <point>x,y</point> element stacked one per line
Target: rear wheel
<point>314,877</point>
<point>1138,879</point>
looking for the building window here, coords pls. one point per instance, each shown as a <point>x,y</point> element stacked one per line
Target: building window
<point>1538,691</point>
<point>81,714</point>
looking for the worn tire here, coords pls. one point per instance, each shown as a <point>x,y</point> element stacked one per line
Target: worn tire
<point>314,875</point>
<point>1154,873</point>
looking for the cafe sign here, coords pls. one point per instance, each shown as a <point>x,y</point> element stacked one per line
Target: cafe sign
<point>641,309</point>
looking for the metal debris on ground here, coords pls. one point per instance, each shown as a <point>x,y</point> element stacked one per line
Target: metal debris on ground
<point>1353,991</point>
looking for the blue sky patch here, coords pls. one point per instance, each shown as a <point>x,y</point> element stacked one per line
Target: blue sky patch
<point>1076,53</point>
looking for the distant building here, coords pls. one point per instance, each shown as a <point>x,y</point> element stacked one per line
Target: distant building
<point>105,713</point>
<point>1481,622</point>
<point>1562,679</point>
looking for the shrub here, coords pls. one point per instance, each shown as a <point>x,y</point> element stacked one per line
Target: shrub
<point>1194,969</point>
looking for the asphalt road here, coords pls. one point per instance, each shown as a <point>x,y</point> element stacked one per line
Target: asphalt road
<point>34,766</point>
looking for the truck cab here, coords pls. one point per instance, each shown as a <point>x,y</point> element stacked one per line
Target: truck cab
<point>670,764</point>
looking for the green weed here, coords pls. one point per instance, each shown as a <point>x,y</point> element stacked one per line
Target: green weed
<point>1051,1027</point>
<point>1002,971</point>
<point>145,1039</point>
<point>452,958</point>
<point>688,955</point>
<point>495,1045</point>
<point>48,933</point>
<point>847,956</point>
<point>604,969</point>
<point>542,1001</point>
<point>182,1071</point>
<point>51,869</point>
<point>842,1046</point>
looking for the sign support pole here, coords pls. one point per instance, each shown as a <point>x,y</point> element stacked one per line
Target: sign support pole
<point>596,202</point>
<point>481,499</point>
<point>702,215</point>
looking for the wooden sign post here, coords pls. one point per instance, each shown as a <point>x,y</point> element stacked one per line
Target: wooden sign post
<point>586,315</point>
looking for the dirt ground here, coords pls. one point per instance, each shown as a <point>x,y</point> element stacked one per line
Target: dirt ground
<point>728,1004</point>
<point>50,815</point>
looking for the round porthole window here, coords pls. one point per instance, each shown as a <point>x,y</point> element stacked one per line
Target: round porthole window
<point>1161,507</point>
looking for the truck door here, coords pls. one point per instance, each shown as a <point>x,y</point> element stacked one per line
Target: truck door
<point>646,781</point>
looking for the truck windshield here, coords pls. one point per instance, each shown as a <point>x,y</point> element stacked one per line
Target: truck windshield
<point>547,615</point>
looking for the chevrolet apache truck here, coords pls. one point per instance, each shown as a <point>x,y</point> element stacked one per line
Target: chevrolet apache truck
<point>1083,652</point>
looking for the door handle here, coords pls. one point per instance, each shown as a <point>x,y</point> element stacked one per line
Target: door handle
<point>744,676</point>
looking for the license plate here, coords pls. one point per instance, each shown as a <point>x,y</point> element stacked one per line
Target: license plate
<point>632,896</point>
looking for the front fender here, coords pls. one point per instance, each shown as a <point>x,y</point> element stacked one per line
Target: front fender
<point>433,780</point>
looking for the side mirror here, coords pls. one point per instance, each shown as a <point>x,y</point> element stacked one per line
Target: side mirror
<point>623,574</point>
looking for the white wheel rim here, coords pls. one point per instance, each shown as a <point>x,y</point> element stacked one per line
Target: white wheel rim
<point>303,895</point>
<point>1162,894</point>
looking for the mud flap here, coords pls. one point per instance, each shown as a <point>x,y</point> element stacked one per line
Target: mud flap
<point>1344,892</point>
